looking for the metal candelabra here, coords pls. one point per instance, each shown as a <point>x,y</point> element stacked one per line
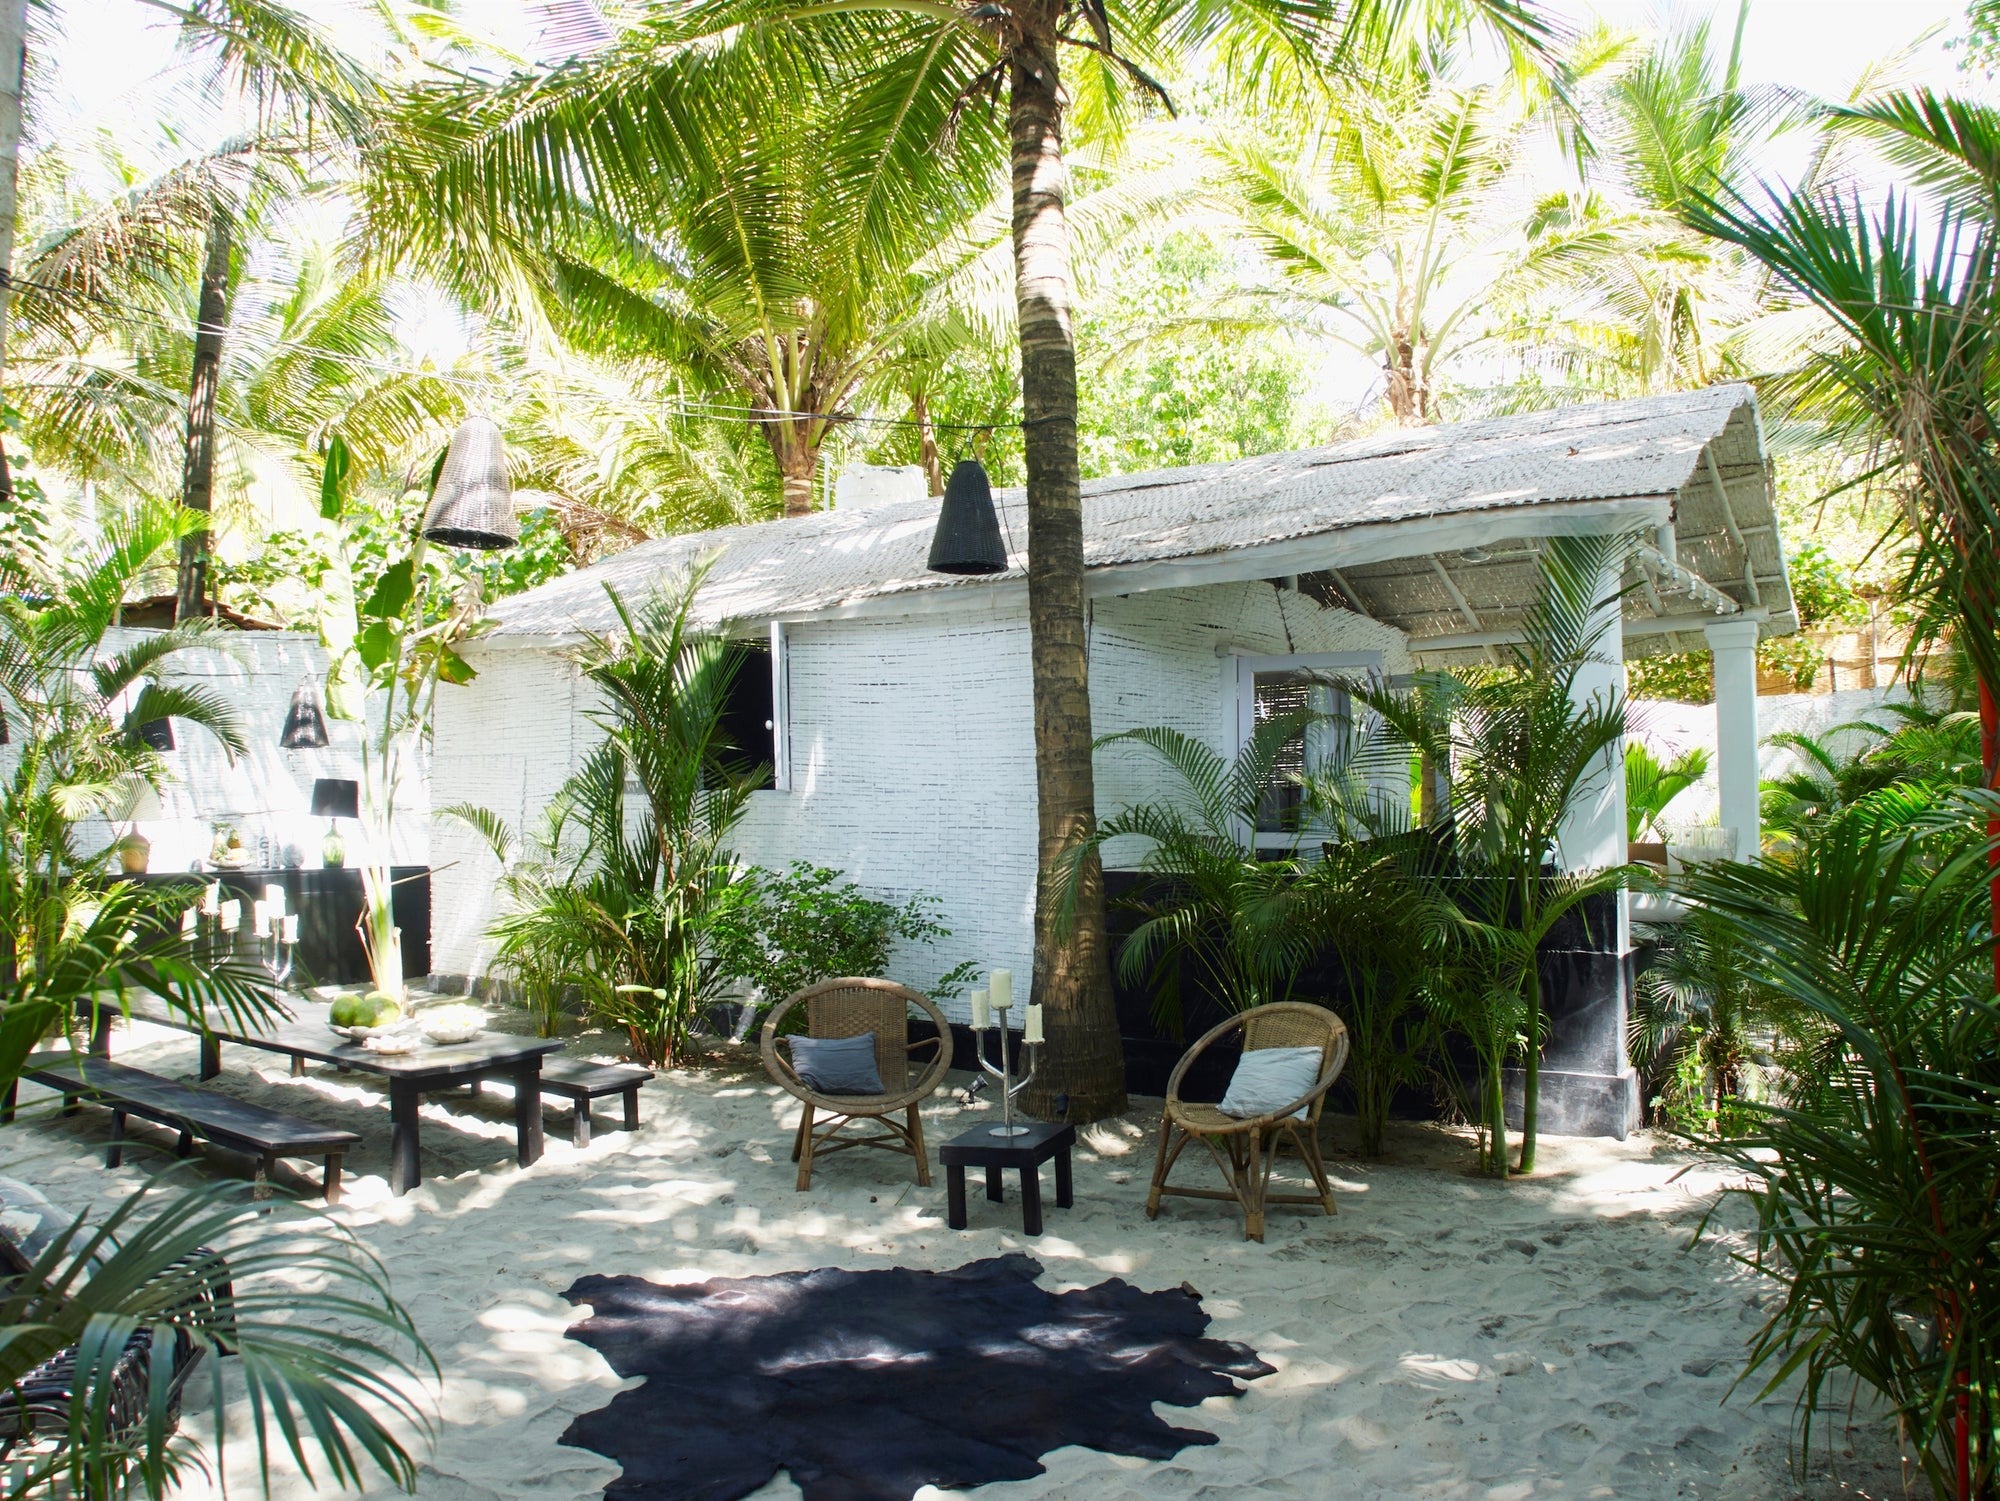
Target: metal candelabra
<point>1009,1085</point>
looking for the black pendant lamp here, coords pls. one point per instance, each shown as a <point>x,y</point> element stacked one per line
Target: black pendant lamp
<point>473,504</point>
<point>305,721</point>
<point>967,539</point>
<point>157,734</point>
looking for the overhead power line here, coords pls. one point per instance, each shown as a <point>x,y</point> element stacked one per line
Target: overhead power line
<point>696,407</point>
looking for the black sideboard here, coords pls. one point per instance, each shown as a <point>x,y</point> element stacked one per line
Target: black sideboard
<point>328,902</point>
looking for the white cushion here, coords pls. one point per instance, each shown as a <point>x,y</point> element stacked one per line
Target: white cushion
<point>1268,1079</point>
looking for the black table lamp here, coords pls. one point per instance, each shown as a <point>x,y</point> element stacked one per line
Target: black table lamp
<point>335,798</point>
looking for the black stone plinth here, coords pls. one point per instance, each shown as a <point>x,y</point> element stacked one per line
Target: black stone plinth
<point>979,1147</point>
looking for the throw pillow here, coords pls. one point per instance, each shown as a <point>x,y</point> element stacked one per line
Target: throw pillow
<point>1268,1079</point>
<point>837,1065</point>
<point>29,1223</point>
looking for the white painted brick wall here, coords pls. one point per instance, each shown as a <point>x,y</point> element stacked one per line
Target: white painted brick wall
<point>1669,728</point>
<point>265,792</point>
<point>912,752</point>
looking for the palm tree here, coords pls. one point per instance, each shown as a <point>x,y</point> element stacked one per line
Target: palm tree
<point>329,1363</point>
<point>1872,1178</point>
<point>1390,230</point>
<point>1526,746</point>
<point>618,899</point>
<point>1914,304</point>
<point>744,273</point>
<point>904,83</point>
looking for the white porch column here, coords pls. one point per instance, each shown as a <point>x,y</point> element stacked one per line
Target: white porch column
<point>1734,645</point>
<point>1593,836</point>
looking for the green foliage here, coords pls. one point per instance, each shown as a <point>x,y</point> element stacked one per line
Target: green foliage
<point>1873,1178</point>
<point>1191,393</point>
<point>1823,588</point>
<point>1651,785</point>
<point>1372,901</point>
<point>1213,905</point>
<point>327,1357</point>
<point>623,901</point>
<point>783,931</point>
<point>1898,768</point>
<point>1525,745</point>
<point>1684,677</point>
<point>1700,1021</point>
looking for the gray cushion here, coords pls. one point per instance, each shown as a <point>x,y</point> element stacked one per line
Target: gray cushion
<point>1268,1079</point>
<point>837,1065</point>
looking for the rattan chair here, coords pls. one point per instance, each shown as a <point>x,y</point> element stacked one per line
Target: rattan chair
<point>848,1008</point>
<point>1245,1149</point>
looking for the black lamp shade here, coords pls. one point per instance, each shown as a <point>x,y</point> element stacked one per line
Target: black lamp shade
<point>473,505</point>
<point>305,721</point>
<point>157,734</point>
<point>336,797</point>
<point>967,539</point>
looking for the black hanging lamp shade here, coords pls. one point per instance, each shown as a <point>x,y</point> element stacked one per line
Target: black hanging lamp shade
<point>305,721</point>
<point>473,505</point>
<point>157,734</point>
<point>967,539</point>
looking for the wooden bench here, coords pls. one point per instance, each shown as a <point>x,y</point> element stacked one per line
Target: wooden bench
<point>581,1082</point>
<point>266,1135</point>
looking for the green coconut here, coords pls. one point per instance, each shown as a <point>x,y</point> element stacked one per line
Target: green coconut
<point>375,1009</point>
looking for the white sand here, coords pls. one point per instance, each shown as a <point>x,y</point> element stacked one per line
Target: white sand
<point>1443,1337</point>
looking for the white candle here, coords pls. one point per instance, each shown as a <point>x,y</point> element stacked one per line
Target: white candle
<point>982,1018</point>
<point>1032,1032</point>
<point>1001,987</point>
<point>211,899</point>
<point>260,919</point>
<point>231,916</point>
<point>274,900</point>
<point>291,927</point>
<point>188,920</point>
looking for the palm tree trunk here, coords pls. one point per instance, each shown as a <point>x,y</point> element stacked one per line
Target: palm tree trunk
<point>13,63</point>
<point>1072,979</point>
<point>198,469</point>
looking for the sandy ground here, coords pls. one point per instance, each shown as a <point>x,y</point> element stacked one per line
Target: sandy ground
<point>1442,1337</point>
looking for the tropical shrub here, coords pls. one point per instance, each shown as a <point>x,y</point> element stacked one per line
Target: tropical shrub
<point>1873,1175</point>
<point>783,931</point>
<point>1213,904</point>
<point>328,1358</point>
<point>1368,907</point>
<point>621,899</point>
<point>1525,746</point>
<point>1651,784</point>
<point>1701,1021</point>
<point>1925,750</point>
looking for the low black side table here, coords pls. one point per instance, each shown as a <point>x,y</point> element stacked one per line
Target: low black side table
<point>979,1147</point>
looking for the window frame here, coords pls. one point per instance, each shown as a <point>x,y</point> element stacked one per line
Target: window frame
<point>1239,710</point>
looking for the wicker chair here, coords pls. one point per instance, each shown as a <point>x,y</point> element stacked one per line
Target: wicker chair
<point>1245,1148</point>
<point>37,1411</point>
<point>849,1008</point>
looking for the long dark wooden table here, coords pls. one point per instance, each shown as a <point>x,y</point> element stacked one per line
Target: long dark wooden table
<point>411,1075</point>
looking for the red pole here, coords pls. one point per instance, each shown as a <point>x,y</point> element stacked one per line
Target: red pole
<point>1989,758</point>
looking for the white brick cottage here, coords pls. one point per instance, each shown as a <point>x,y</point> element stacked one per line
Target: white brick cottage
<point>899,699</point>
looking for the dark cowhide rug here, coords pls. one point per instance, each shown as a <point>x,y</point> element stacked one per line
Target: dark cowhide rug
<point>868,1385</point>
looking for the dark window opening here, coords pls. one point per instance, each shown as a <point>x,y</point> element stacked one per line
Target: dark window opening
<point>750,717</point>
<point>1281,808</point>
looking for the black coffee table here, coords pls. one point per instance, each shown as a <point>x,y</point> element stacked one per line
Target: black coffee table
<point>979,1147</point>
